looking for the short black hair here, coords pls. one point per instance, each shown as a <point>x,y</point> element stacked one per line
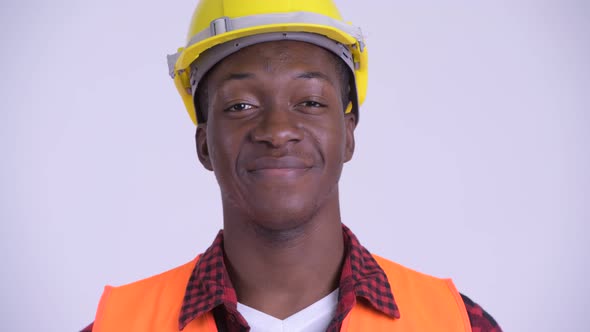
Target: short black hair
<point>201,97</point>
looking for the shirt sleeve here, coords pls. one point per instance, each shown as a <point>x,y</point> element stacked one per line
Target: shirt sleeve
<point>480,320</point>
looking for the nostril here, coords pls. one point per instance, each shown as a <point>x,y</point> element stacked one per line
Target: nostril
<point>277,130</point>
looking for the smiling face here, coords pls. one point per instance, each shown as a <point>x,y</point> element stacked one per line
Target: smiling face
<point>276,134</point>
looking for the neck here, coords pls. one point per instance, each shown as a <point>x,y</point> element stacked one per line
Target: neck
<point>280,272</point>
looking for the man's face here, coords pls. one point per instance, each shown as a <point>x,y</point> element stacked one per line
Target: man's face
<point>276,134</point>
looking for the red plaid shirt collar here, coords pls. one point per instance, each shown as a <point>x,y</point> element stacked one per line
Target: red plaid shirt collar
<point>209,285</point>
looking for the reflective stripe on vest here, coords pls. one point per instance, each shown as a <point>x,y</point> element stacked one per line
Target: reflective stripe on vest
<point>153,304</point>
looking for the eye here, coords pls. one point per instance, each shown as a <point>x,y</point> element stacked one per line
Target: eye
<point>239,107</point>
<point>311,103</point>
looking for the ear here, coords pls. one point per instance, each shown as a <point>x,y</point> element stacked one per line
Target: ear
<point>349,126</point>
<point>202,148</point>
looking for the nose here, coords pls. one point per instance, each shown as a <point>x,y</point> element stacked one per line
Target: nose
<point>277,128</point>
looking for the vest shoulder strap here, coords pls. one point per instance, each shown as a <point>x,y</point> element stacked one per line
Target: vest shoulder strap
<point>151,304</point>
<point>425,303</point>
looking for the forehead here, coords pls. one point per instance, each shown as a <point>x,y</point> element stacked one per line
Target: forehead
<point>273,57</point>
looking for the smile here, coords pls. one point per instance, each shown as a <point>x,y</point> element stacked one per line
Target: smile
<point>278,167</point>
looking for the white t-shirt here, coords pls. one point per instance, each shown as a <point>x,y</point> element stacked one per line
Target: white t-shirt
<point>314,318</point>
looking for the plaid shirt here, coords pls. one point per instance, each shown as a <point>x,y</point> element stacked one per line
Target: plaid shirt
<point>209,289</point>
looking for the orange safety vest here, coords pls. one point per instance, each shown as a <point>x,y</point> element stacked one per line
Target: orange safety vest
<point>426,304</point>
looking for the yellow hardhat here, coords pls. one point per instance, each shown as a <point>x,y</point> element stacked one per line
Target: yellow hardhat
<point>226,26</point>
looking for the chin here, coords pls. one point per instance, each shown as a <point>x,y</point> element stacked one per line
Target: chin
<point>287,215</point>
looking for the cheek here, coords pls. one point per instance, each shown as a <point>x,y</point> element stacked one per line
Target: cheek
<point>221,151</point>
<point>225,145</point>
<point>333,140</point>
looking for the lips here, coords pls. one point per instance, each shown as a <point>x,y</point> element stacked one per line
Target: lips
<point>282,166</point>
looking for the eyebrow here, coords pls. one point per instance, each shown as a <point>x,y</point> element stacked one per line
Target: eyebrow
<point>237,77</point>
<point>308,75</point>
<point>314,75</point>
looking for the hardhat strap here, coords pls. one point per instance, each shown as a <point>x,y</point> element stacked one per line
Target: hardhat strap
<point>209,58</point>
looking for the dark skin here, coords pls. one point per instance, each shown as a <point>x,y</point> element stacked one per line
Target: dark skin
<point>276,138</point>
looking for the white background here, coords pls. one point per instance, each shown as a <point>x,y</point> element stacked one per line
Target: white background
<point>472,153</point>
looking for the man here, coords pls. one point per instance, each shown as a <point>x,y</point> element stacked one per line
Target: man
<point>275,88</point>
